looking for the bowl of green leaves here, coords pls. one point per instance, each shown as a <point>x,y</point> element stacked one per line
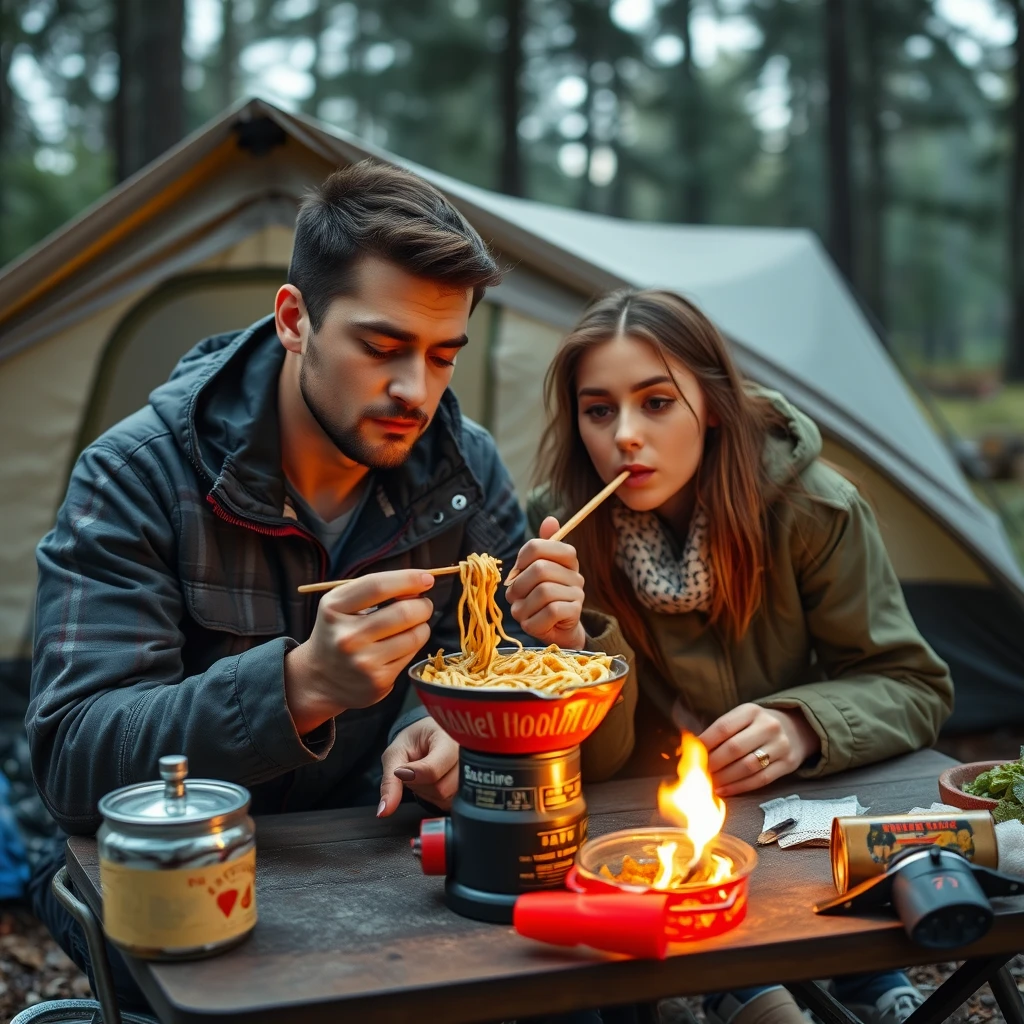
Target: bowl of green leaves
<point>996,786</point>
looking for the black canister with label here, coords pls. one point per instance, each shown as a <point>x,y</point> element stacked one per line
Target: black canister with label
<point>515,826</point>
<point>519,817</point>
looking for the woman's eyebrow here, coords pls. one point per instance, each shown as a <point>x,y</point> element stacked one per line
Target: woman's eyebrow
<point>651,381</point>
<point>648,383</point>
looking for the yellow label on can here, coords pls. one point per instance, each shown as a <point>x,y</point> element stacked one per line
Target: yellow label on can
<point>180,908</point>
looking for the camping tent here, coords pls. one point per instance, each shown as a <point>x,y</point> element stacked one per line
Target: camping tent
<point>96,315</point>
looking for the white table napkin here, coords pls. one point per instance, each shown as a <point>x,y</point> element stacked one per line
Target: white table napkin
<point>1009,839</point>
<point>813,817</point>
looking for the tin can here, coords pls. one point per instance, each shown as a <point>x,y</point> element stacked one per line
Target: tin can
<point>862,847</point>
<point>177,865</point>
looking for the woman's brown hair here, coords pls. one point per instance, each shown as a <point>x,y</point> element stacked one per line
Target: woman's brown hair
<point>732,485</point>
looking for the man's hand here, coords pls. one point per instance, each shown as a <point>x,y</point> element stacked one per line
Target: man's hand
<point>365,633</point>
<point>424,758</point>
<point>784,735</point>
<point>547,595</point>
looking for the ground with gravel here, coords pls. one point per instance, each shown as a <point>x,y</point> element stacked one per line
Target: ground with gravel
<point>979,1009</point>
<point>32,965</point>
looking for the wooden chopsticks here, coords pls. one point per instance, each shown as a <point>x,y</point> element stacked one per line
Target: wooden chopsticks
<point>315,588</point>
<point>575,521</point>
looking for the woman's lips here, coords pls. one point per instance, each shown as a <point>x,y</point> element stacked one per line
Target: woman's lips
<point>638,476</point>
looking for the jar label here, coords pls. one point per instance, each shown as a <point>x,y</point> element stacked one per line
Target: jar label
<point>180,908</point>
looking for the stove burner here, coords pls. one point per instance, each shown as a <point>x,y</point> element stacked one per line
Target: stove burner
<point>637,919</point>
<point>519,816</point>
<point>515,826</point>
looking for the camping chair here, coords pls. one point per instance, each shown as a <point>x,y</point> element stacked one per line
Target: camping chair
<point>75,1011</point>
<point>84,1011</point>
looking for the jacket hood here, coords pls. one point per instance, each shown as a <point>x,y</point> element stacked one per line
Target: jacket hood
<point>790,450</point>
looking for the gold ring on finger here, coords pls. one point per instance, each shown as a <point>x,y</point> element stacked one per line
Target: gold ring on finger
<point>762,757</point>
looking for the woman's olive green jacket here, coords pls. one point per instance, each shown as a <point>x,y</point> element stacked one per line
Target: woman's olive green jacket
<point>833,636</point>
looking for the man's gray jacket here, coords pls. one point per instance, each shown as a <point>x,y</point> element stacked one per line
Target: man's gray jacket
<point>167,590</point>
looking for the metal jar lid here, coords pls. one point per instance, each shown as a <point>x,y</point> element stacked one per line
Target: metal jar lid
<point>173,802</point>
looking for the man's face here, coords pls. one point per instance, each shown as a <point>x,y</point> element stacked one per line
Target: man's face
<point>374,373</point>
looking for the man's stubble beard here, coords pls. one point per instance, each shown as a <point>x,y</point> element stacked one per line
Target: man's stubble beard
<point>347,439</point>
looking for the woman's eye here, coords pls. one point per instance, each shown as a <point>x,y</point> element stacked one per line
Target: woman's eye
<point>597,412</point>
<point>658,404</point>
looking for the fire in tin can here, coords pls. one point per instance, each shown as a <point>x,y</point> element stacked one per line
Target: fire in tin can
<point>177,865</point>
<point>862,847</point>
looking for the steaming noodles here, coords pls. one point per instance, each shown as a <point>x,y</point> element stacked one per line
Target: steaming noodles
<point>552,670</point>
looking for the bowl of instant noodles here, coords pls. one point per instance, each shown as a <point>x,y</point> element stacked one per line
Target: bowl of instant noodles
<point>540,700</point>
<point>512,699</point>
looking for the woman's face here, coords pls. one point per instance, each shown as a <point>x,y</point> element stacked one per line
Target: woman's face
<point>635,416</point>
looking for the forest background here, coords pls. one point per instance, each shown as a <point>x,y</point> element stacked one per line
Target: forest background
<point>894,129</point>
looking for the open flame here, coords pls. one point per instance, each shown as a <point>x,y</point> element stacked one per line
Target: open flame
<point>691,804</point>
<point>666,859</point>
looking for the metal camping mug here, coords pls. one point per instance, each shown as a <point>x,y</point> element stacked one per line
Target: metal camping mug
<point>177,865</point>
<point>862,847</point>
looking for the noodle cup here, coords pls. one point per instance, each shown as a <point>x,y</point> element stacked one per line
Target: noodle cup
<point>500,720</point>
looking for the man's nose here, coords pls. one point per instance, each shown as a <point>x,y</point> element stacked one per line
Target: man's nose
<point>409,385</point>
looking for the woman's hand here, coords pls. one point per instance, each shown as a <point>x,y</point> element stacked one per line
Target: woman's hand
<point>547,594</point>
<point>784,735</point>
<point>424,758</point>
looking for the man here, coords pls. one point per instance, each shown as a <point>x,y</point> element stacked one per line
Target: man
<point>319,443</point>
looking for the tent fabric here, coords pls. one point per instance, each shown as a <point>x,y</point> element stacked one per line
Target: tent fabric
<point>94,315</point>
<point>795,317</point>
<point>977,633</point>
<point>43,393</point>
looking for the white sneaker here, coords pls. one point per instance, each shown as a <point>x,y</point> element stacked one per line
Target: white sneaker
<point>892,1007</point>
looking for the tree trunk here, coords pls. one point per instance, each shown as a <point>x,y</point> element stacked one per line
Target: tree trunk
<point>227,71</point>
<point>692,204</point>
<point>511,172</point>
<point>150,104</point>
<point>316,24</point>
<point>873,262</point>
<point>6,109</point>
<point>618,200</point>
<point>1015,355</point>
<point>840,218</point>
<point>586,200</point>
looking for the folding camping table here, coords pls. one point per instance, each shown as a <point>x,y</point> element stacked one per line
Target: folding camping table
<point>350,929</point>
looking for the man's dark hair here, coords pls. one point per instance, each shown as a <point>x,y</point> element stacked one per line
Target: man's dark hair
<point>374,209</point>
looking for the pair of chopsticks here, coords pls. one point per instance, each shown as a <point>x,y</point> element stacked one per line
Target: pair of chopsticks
<point>575,521</point>
<point>448,570</point>
<point>315,588</point>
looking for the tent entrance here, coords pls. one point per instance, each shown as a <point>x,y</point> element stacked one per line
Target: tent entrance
<point>148,342</point>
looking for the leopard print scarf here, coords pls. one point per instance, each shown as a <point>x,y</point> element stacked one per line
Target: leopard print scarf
<point>663,582</point>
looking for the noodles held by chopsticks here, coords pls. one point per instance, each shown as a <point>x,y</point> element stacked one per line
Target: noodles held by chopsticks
<point>551,671</point>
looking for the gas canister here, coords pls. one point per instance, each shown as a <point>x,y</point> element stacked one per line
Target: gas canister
<point>862,847</point>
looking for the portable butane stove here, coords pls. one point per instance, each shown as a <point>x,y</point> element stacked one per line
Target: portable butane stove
<point>519,816</point>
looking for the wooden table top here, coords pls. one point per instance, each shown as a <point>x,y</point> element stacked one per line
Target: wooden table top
<point>349,928</point>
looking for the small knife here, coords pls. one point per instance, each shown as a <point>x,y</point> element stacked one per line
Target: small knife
<point>771,834</point>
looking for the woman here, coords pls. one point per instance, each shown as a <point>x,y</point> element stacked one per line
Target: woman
<point>748,576</point>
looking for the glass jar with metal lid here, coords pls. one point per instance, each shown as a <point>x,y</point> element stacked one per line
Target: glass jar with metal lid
<point>177,865</point>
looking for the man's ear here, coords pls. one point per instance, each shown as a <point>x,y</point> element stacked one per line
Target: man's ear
<point>291,318</point>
